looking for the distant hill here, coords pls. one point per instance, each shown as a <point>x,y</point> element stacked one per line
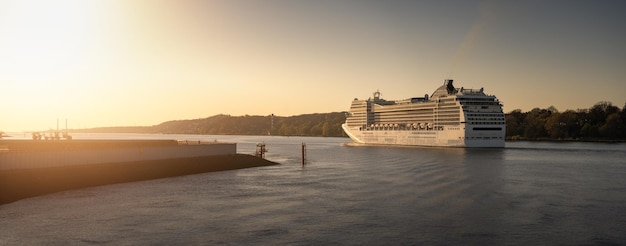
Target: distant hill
<point>323,124</point>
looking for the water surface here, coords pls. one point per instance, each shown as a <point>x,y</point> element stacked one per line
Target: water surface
<point>526,193</point>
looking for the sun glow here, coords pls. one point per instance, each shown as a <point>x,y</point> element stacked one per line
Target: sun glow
<point>142,62</point>
<point>48,49</point>
<point>48,41</point>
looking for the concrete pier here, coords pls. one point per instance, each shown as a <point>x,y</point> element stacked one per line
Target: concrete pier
<point>25,154</point>
<point>28,168</point>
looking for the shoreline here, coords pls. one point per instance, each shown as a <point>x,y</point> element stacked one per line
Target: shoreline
<point>25,183</point>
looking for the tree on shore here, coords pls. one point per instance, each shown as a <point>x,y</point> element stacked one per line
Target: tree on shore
<point>602,121</point>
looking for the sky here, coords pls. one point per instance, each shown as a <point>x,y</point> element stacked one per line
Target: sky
<point>142,62</point>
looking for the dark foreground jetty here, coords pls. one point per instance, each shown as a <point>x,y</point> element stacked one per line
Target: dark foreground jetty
<point>125,164</point>
<point>25,183</point>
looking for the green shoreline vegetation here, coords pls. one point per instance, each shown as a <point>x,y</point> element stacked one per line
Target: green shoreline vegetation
<point>318,125</point>
<point>602,122</point>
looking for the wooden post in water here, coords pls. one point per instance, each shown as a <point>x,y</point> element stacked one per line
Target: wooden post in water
<point>260,150</point>
<point>303,154</point>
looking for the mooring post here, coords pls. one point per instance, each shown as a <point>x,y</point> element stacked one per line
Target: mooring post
<point>303,154</point>
<point>260,150</point>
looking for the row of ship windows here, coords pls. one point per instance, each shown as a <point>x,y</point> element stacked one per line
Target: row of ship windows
<point>451,112</point>
<point>497,118</point>
<point>408,119</point>
<point>423,111</point>
<point>402,115</point>
<point>455,122</point>
<point>415,111</point>
<point>416,107</point>
<point>485,115</point>
<point>486,123</point>
<point>414,115</point>
<point>407,109</point>
<point>415,129</point>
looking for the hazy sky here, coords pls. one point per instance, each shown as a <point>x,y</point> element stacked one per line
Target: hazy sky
<point>119,63</point>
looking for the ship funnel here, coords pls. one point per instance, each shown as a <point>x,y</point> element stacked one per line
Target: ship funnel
<point>449,86</point>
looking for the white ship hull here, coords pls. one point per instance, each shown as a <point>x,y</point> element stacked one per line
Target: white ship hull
<point>450,117</point>
<point>442,138</point>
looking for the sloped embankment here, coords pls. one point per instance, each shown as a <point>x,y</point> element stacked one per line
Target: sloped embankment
<point>24,183</point>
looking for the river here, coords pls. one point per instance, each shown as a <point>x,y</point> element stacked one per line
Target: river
<point>528,193</point>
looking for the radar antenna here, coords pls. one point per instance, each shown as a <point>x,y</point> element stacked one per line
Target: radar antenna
<point>377,94</point>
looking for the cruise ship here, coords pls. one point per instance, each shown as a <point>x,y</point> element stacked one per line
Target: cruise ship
<point>449,117</point>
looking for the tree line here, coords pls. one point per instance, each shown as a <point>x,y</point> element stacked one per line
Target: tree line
<point>324,125</point>
<point>603,121</point>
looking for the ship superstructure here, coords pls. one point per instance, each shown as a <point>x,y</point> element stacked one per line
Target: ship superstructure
<point>451,117</point>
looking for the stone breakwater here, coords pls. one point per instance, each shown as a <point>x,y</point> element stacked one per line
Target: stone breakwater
<point>24,183</point>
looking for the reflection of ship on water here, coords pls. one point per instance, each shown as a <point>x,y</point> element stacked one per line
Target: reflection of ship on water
<point>53,134</point>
